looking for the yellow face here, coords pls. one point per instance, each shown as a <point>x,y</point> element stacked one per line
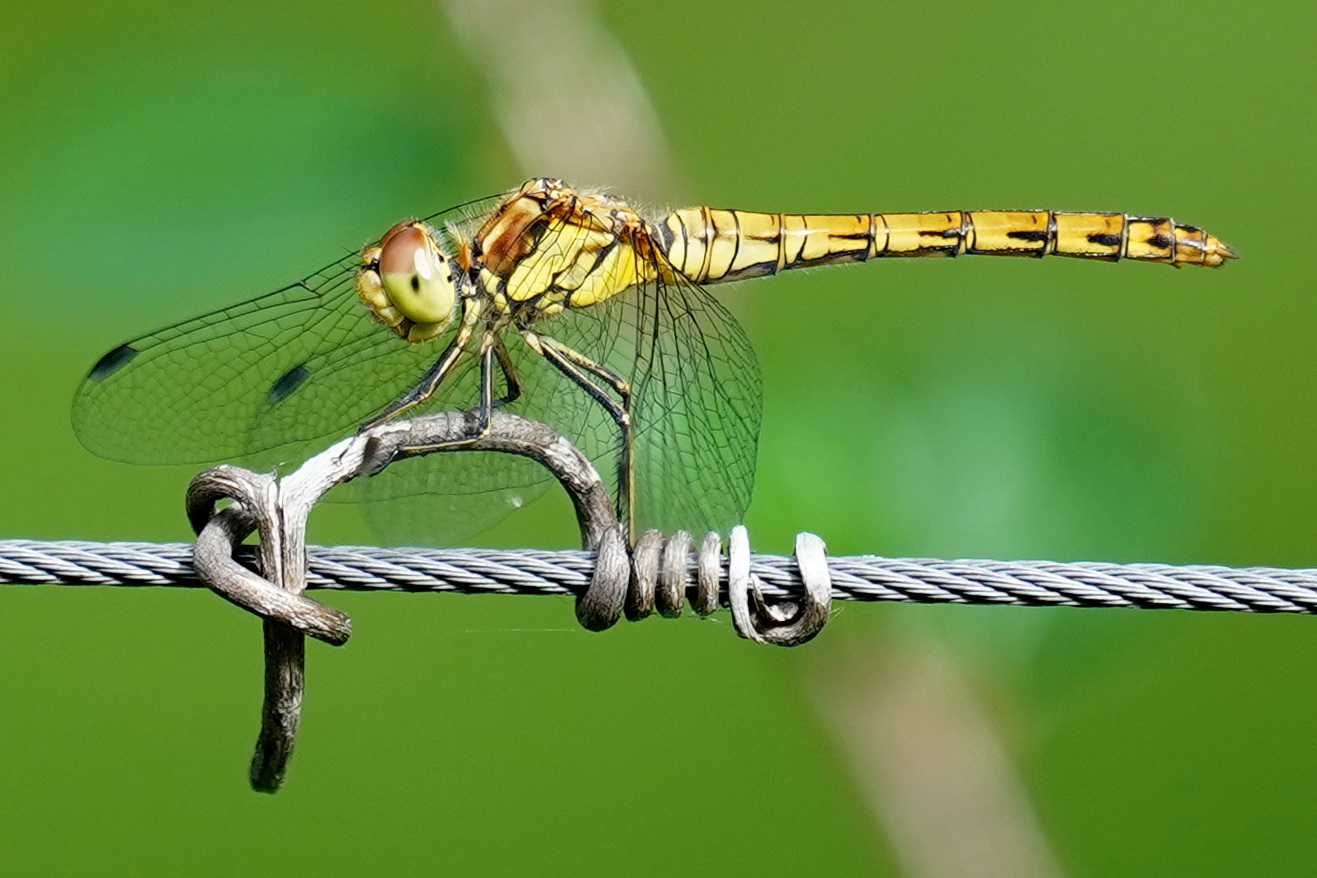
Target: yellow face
<point>407,282</point>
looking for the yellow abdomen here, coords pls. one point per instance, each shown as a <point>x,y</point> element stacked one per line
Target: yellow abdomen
<point>711,246</point>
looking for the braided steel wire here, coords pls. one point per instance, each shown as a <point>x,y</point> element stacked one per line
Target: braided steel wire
<point>567,572</point>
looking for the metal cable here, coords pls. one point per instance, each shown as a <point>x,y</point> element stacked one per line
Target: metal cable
<point>566,572</point>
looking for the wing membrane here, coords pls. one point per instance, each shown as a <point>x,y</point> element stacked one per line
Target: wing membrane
<point>697,406</point>
<point>234,383</point>
<point>696,400</point>
<point>191,392</point>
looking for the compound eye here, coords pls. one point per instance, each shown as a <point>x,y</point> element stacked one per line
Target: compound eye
<point>415,275</point>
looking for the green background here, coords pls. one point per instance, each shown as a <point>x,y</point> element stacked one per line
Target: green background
<point>158,160</point>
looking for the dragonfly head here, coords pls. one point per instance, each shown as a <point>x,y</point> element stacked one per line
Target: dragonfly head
<point>408,283</point>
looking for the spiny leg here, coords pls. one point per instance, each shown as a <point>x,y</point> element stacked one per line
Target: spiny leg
<point>485,402</point>
<point>426,387</point>
<point>509,370</point>
<point>579,368</point>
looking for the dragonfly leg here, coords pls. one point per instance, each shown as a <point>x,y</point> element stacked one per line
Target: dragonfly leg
<point>584,372</point>
<point>426,387</point>
<point>486,403</point>
<point>509,370</point>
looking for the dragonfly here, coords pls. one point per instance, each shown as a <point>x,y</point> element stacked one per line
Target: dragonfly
<point>564,305</point>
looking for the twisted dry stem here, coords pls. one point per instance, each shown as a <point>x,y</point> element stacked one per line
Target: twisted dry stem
<point>601,604</point>
<point>278,509</point>
<point>220,533</point>
<point>787,622</point>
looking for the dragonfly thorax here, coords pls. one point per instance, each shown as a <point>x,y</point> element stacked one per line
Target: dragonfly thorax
<point>408,283</point>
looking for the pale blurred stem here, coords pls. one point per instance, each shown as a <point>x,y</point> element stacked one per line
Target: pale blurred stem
<point>591,119</point>
<point>933,769</point>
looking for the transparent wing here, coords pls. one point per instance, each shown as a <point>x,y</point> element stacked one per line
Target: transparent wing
<point>270,381</point>
<point>697,404</point>
<point>192,392</point>
<point>253,381</point>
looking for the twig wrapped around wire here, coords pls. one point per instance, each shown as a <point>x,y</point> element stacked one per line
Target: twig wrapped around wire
<point>278,510</point>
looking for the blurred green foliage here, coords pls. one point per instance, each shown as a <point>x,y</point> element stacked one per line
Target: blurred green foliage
<point>162,160</point>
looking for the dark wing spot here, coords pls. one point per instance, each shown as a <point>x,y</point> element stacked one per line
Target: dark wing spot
<point>1161,242</point>
<point>287,383</point>
<point>112,362</point>
<point>1028,235</point>
<point>1193,230</point>
<point>1105,240</point>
